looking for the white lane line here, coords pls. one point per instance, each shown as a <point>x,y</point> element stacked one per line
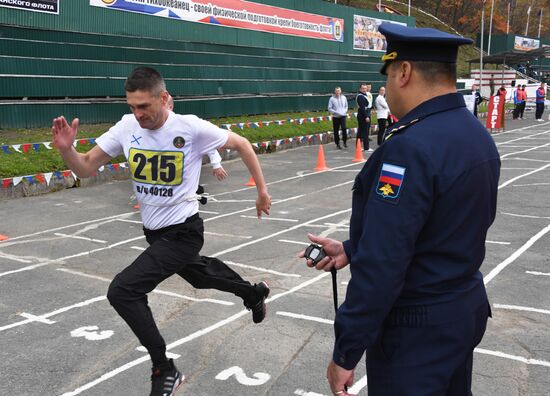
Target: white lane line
<point>14,258</point>
<point>301,392</point>
<point>528,159</point>
<point>138,248</point>
<point>304,317</point>
<point>209,212</point>
<point>517,168</point>
<point>513,357</point>
<point>35,318</point>
<point>228,235</point>
<point>538,273</point>
<point>157,291</point>
<point>61,259</point>
<point>531,185</point>
<point>523,175</point>
<point>130,221</point>
<point>526,216</point>
<point>523,137</point>
<point>212,199</point>
<point>498,243</point>
<point>189,338</point>
<point>80,237</point>
<point>114,218</point>
<point>495,271</point>
<point>520,308</point>
<point>524,151</point>
<point>53,313</point>
<point>294,242</point>
<point>262,269</point>
<point>270,218</point>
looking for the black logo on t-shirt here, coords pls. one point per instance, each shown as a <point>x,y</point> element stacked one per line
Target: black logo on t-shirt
<point>179,142</point>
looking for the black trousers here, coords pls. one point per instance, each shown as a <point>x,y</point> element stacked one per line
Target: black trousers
<point>382,122</point>
<point>337,124</point>
<point>363,130</point>
<point>539,111</point>
<point>172,250</point>
<point>414,358</point>
<point>521,109</point>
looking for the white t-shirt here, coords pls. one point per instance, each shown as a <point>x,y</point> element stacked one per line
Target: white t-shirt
<point>165,164</point>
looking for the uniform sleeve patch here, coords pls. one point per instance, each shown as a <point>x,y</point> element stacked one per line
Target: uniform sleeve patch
<point>390,181</point>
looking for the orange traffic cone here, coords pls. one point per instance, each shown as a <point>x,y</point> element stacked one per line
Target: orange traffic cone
<point>321,165</point>
<point>251,182</point>
<point>3,237</point>
<point>358,151</point>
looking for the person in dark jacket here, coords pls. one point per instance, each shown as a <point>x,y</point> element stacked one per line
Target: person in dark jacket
<point>416,301</point>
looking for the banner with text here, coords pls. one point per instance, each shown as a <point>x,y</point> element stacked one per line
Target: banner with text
<point>525,43</point>
<point>366,35</point>
<point>237,14</point>
<point>49,6</point>
<point>495,112</point>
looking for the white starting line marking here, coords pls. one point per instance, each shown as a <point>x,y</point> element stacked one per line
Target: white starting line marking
<point>513,357</point>
<point>169,355</point>
<point>158,291</point>
<point>523,137</point>
<point>270,218</point>
<point>14,258</point>
<point>228,235</point>
<point>524,151</point>
<point>537,273</point>
<point>130,221</point>
<point>262,269</point>
<point>498,243</point>
<point>208,212</point>
<point>305,317</point>
<point>519,308</point>
<point>526,216</point>
<point>495,271</point>
<point>35,318</point>
<point>138,248</point>
<point>79,237</point>
<point>528,159</point>
<point>53,313</point>
<point>294,242</point>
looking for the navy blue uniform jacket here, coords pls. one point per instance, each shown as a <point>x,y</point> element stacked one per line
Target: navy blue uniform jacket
<point>422,205</point>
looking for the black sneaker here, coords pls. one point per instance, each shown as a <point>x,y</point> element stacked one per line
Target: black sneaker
<point>258,307</point>
<point>345,145</point>
<point>166,380</point>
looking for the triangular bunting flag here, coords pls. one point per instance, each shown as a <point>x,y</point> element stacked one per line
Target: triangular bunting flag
<point>5,149</point>
<point>101,168</point>
<point>66,173</point>
<point>48,177</point>
<point>16,147</point>
<point>116,166</point>
<point>26,147</point>
<point>58,175</point>
<point>17,180</point>
<point>47,145</point>
<point>6,182</point>
<point>30,179</point>
<point>40,178</point>
<point>74,143</point>
<point>36,146</point>
<point>83,142</point>
<point>91,140</point>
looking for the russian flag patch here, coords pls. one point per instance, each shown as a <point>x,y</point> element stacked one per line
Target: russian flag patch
<point>390,181</point>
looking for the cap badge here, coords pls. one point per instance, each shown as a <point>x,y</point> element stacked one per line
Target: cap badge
<point>390,56</point>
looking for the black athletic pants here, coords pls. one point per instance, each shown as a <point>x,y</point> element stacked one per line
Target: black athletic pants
<point>363,130</point>
<point>174,249</point>
<point>382,122</point>
<point>337,123</point>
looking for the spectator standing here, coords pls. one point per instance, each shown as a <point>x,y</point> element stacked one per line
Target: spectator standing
<point>516,96</point>
<point>382,114</point>
<point>338,109</point>
<point>363,116</point>
<point>522,97</point>
<point>477,98</point>
<point>540,99</point>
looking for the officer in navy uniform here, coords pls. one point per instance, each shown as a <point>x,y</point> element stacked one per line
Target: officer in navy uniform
<point>422,205</point>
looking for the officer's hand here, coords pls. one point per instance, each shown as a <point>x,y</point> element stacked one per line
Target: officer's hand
<point>63,134</point>
<point>335,254</point>
<point>339,379</point>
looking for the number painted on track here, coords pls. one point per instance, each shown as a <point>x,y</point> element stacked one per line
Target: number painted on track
<point>242,378</point>
<point>91,333</point>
